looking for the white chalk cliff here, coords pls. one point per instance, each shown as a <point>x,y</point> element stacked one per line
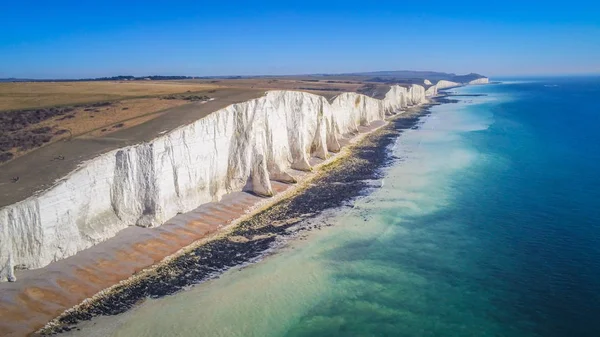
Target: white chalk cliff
<point>483,80</point>
<point>243,146</point>
<point>443,84</point>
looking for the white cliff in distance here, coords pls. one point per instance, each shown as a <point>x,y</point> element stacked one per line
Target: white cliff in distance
<point>483,80</point>
<point>443,84</point>
<point>243,146</point>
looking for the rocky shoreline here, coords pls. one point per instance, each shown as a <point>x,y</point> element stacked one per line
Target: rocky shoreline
<point>338,183</point>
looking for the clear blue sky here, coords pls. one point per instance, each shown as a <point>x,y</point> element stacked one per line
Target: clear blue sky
<point>71,39</point>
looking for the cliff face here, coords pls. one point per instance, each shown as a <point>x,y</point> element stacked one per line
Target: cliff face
<point>483,80</point>
<point>443,84</point>
<point>241,147</point>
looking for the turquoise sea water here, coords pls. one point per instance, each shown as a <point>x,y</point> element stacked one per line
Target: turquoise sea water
<point>488,224</point>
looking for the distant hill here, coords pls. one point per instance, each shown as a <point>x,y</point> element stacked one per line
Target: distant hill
<point>396,76</point>
<point>112,78</point>
<point>404,75</point>
<point>15,80</point>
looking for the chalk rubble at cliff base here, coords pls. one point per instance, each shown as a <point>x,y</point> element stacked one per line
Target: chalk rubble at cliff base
<point>241,147</point>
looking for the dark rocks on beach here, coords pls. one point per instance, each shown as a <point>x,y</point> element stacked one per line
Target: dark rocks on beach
<point>341,183</point>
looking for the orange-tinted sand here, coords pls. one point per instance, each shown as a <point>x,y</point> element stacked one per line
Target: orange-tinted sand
<point>43,294</point>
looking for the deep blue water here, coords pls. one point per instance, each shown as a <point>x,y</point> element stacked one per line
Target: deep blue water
<point>541,213</point>
<point>528,210</point>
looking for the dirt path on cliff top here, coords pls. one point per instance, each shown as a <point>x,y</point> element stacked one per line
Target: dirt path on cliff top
<point>37,170</point>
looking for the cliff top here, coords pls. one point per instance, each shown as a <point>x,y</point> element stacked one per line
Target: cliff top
<point>36,114</point>
<point>48,128</point>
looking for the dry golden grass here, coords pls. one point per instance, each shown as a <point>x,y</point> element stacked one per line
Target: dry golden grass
<point>26,95</point>
<point>29,95</point>
<point>132,103</point>
<point>105,120</point>
<point>123,112</point>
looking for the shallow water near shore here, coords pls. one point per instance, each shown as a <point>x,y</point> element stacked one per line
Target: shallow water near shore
<point>486,224</point>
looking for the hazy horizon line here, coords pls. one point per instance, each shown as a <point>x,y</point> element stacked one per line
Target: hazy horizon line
<point>594,73</point>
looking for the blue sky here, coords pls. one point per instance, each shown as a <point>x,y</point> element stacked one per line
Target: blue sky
<point>73,39</point>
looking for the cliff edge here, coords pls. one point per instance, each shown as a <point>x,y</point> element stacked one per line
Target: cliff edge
<point>243,146</point>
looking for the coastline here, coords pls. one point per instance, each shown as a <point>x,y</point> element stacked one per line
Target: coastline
<point>45,293</point>
<point>247,238</point>
<point>244,146</point>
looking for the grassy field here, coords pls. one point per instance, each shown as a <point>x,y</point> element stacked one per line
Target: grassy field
<point>29,95</point>
<point>33,114</point>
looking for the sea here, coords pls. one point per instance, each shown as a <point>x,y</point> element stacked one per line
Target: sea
<point>486,223</point>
